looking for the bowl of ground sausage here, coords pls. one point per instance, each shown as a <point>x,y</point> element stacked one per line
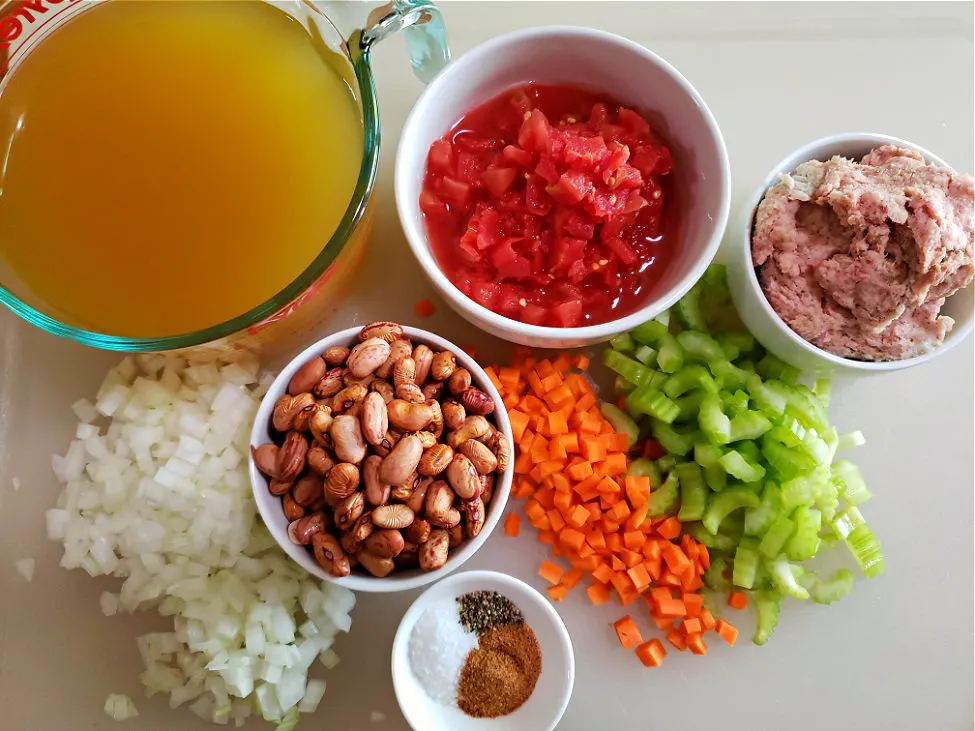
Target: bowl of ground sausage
<point>857,253</point>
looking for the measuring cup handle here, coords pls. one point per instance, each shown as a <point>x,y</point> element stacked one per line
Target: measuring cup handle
<point>423,27</point>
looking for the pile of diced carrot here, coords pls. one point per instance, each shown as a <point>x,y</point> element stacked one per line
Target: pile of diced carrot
<point>571,466</point>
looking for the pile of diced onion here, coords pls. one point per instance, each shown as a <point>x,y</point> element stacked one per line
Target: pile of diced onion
<point>157,493</point>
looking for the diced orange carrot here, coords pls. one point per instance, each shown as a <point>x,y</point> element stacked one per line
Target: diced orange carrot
<point>598,593</point>
<point>631,558</point>
<point>540,522</point>
<point>738,599</point>
<point>557,593</point>
<point>556,550</point>
<point>614,464</point>
<point>675,638</point>
<point>544,368</point>
<point>561,483</point>
<point>559,396</point>
<point>578,517</point>
<point>424,308</point>
<point>668,578</point>
<point>675,559</point>
<point>691,626</point>
<point>637,490</point>
<point>660,594</point>
<point>621,582</point>
<point>638,520</point>
<point>693,584</point>
<point>580,471</point>
<point>707,620</point>
<point>652,549</point>
<point>602,573</point>
<point>726,632</point>
<point>519,422</point>
<point>671,608</point>
<point>639,576</point>
<point>555,519</point>
<point>545,497</point>
<point>634,540</point>
<point>546,536</point>
<point>550,467</point>
<point>703,557</point>
<point>526,488</point>
<point>608,485</point>
<point>586,401</point>
<point>694,604</point>
<point>562,362</point>
<point>535,383</point>
<point>523,464</point>
<point>614,541</point>
<point>610,526</point>
<point>651,653</point>
<point>620,512</point>
<point>572,577</point>
<point>653,567</point>
<point>663,623</point>
<point>562,501</point>
<point>551,382</point>
<point>572,538</point>
<point>628,597</point>
<point>557,424</point>
<point>627,632</point>
<point>669,529</point>
<point>580,361</point>
<point>597,540</point>
<point>592,450</point>
<point>533,508</point>
<point>556,450</point>
<point>512,524</point>
<point>695,643</point>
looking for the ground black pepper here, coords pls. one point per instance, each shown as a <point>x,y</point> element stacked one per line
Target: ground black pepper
<point>481,611</point>
<point>500,675</point>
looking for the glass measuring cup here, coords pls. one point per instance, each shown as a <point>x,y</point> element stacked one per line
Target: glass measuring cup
<point>297,306</point>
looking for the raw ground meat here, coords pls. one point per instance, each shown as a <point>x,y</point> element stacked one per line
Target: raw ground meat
<point>858,257</point>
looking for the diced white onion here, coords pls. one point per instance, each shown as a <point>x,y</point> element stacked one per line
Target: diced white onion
<point>158,495</point>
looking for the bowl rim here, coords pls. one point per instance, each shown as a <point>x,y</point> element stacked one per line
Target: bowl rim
<point>416,238</point>
<point>392,583</point>
<point>491,580</point>
<point>803,153</point>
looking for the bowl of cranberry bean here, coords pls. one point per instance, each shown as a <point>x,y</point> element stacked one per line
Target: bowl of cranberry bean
<point>381,458</point>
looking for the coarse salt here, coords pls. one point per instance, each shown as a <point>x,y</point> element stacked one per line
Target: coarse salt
<point>438,648</point>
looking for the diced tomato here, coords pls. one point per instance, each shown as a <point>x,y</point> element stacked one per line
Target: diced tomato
<point>547,205</point>
<point>534,133</point>
<point>498,180</point>
<point>567,313</point>
<point>516,156</point>
<point>584,153</point>
<point>454,191</point>
<point>633,122</point>
<point>441,157</point>
<point>570,188</point>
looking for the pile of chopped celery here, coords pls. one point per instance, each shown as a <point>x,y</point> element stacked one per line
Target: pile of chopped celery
<point>750,466</point>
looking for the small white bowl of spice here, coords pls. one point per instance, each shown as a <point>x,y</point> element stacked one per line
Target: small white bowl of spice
<point>482,650</point>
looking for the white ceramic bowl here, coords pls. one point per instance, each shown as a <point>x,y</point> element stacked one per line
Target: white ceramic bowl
<point>272,512</point>
<point>541,712</point>
<point>604,62</point>
<point>755,310</point>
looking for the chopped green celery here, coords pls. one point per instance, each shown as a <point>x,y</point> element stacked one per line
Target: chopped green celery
<point>638,401</point>
<point>786,463</point>
<point>689,310</point>
<point>714,423</point>
<point>670,356</point>
<point>707,455</point>
<point>826,592</point>
<point>865,547</point>
<point>749,425</point>
<point>832,439</point>
<point>804,542</point>
<point>828,505</point>
<point>776,536</point>
<point>700,346</point>
<point>772,367</point>
<point>693,492</point>
<point>851,439</point>
<point>646,468</point>
<point>789,431</point>
<point>802,403</point>
<point>758,520</point>
<point>688,406</point>
<point>719,542</point>
<point>714,577</point>
<point>649,333</point>
<point>798,491</point>
<point>849,482</point>
<point>622,386</point>
<point>646,355</point>
<point>784,580</point>
<point>767,399</point>
<point>746,367</point>
<point>730,376</point>
<point>621,422</point>
<point>847,521</point>
<point>687,378</point>
<point>673,441</point>
<point>828,539</point>
<point>663,500</point>
<point>735,403</point>
<point>630,369</point>
<point>749,450</point>
<point>823,390</point>
<point>746,563</point>
<point>664,318</point>
<point>721,504</point>
<point>767,609</point>
<point>735,343</point>
<point>666,463</point>
<point>763,578</point>
<point>662,408</point>
<point>737,465</point>
<point>289,722</point>
<point>623,343</point>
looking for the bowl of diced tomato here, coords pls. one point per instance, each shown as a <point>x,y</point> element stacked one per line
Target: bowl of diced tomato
<point>561,185</point>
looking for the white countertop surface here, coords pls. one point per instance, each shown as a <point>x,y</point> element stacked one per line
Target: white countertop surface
<point>896,655</point>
